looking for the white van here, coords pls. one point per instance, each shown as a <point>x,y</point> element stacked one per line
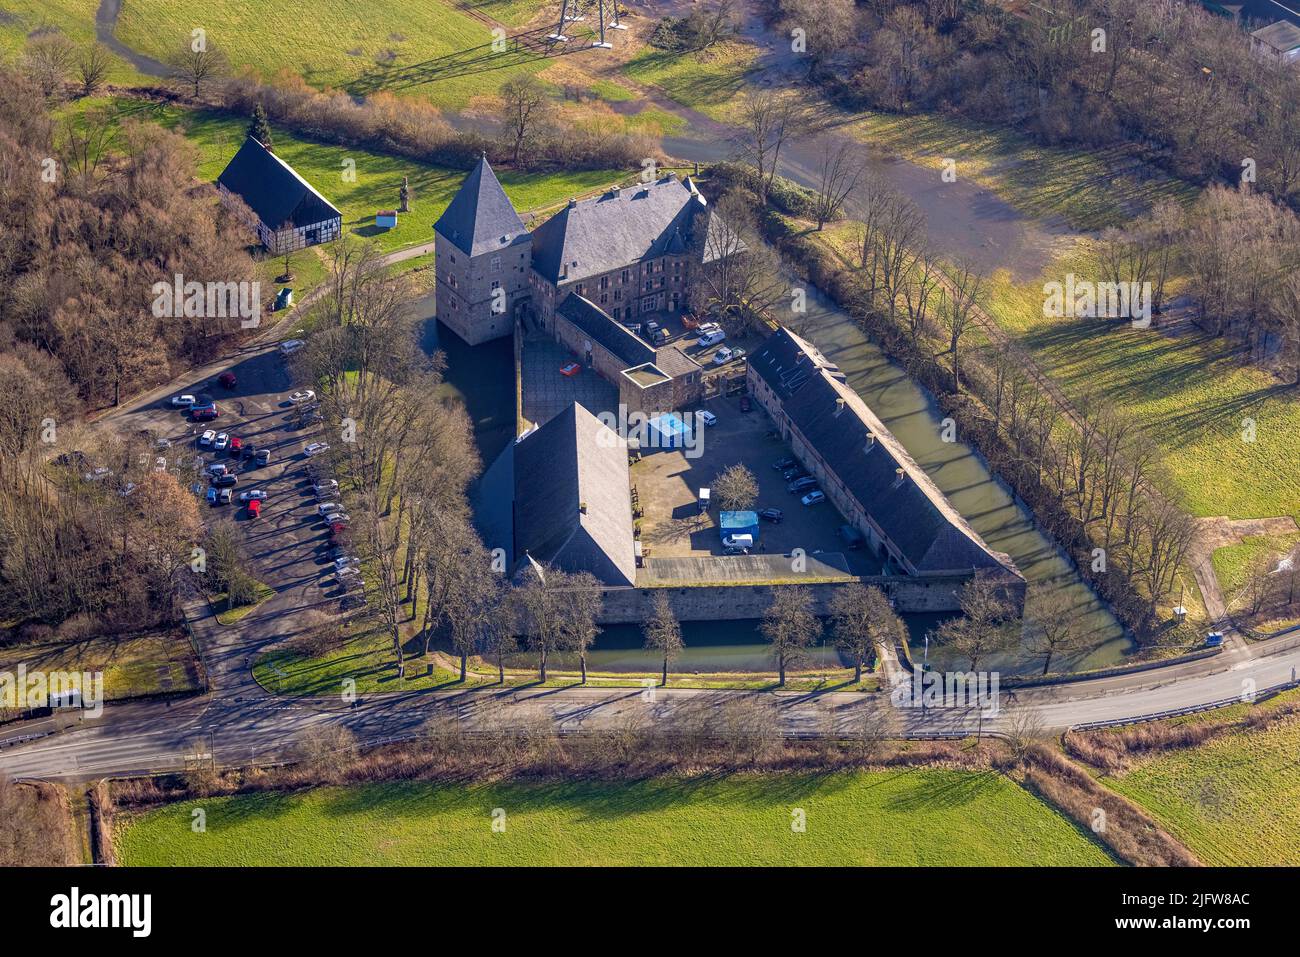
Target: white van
<point>712,337</point>
<point>738,541</point>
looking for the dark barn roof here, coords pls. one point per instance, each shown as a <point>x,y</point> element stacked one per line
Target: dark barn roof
<point>619,228</point>
<point>480,217</point>
<point>865,455</point>
<point>601,328</point>
<point>273,190</point>
<point>573,501</point>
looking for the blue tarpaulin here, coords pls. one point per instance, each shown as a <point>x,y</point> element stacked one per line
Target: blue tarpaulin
<point>739,523</point>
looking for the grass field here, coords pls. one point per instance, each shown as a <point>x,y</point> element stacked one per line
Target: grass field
<point>399,45</point>
<point>1234,800</point>
<point>1232,562</point>
<point>1087,189</point>
<point>74,18</point>
<point>143,665</point>
<point>710,83</point>
<point>1190,391</point>
<point>919,817</point>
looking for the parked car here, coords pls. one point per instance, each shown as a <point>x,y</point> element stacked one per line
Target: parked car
<point>326,486</point>
<point>212,496</point>
<point>255,508</point>
<point>298,398</point>
<point>782,464</point>
<point>339,551</point>
<point>338,518</point>
<point>800,485</point>
<point>350,602</point>
<point>252,495</point>
<point>707,417</point>
<point>327,508</point>
<point>343,561</point>
<point>162,443</point>
<point>127,489</point>
<point>316,448</point>
<point>290,346</point>
<point>742,542</point>
<point>814,498</point>
<point>737,353</point>
<point>217,468</point>
<point>205,440</point>
<point>722,356</point>
<point>773,515</point>
<point>224,481</point>
<point>225,495</point>
<point>347,571</point>
<point>221,442</point>
<point>790,474</point>
<point>205,414</point>
<point>182,401</point>
<point>570,369</point>
<point>711,338</point>
<point>263,456</point>
<point>707,328</point>
<point>227,380</point>
<point>852,537</point>
<point>248,450</point>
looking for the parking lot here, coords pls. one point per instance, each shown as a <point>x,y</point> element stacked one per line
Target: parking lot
<point>287,544</point>
<point>668,483</point>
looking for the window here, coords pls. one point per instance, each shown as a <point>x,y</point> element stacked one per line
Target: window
<point>604,282</point>
<point>496,283</point>
<point>604,298</point>
<point>625,277</point>
<point>496,263</point>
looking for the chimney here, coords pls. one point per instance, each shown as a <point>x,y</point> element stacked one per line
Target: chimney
<point>582,506</point>
<point>839,405</point>
<point>899,475</point>
<point>871,442</point>
<point>572,202</point>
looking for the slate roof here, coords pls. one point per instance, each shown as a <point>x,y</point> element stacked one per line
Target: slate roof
<point>273,190</point>
<point>480,217</point>
<point>865,455</point>
<point>623,226</point>
<point>600,327</point>
<point>672,360</point>
<point>571,461</point>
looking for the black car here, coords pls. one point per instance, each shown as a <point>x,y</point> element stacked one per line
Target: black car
<point>248,451</point>
<point>224,481</point>
<point>805,484</point>
<point>263,456</point>
<point>791,474</point>
<point>773,515</point>
<point>783,464</point>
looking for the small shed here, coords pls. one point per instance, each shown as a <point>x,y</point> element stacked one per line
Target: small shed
<point>386,219</point>
<point>738,523</point>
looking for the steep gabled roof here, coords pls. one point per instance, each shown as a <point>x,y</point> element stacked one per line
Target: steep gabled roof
<point>573,503</point>
<point>600,327</point>
<point>620,227</point>
<point>272,188</point>
<point>865,456</point>
<point>480,217</point>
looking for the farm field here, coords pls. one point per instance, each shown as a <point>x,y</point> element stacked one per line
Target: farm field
<point>1234,800</point>
<point>397,46</point>
<point>710,83</point>
<point>916,817</point>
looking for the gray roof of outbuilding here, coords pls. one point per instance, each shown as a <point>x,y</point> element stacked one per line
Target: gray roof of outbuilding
<point>480,217</point>
<point>572,461</point>
<point>915,515</point>
<point>620,227</point>
<point>273,189</point>
<point>602,328</point>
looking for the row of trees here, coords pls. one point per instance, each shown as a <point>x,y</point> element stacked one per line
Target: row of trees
<point>1168,75</point>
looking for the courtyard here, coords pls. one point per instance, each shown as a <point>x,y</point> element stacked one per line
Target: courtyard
<point>668,482</point>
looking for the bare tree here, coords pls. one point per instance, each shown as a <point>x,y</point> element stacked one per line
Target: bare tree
<point>861,617</point>
<point>48,58</point>
<point>736,488</point>
<point>195,67</point>
<point>768,120</point>
<point>93,64</point>
<point>524,109</point>
<point>1051,623</point>
<point>959,304</point>
<point>789,626</point>
<point>838,176</point>
<point>663,633</point>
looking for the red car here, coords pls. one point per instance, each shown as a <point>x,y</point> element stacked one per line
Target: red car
<point>227,379</point>
<point>570,369</point>
<point>255,508</point>
<point>236,443</point>
<point>206,414</point>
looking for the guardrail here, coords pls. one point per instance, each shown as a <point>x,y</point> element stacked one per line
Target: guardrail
<point>1258,696</point>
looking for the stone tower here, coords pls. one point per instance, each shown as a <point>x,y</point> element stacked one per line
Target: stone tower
<point>483,254</point>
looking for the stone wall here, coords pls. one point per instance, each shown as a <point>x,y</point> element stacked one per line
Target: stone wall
<point>630,605</point>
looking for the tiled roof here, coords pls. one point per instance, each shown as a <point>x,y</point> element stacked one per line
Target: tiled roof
<point>273,190</point>
<point>865,456</point>
<point>623,226</point>
<point>480,217</point>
